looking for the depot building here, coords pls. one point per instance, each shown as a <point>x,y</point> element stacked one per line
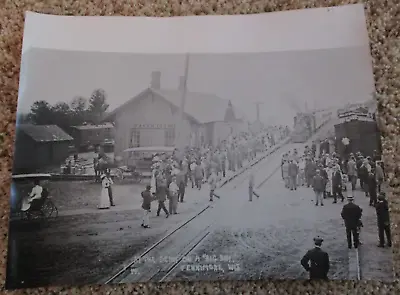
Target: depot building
<point>150,118</point>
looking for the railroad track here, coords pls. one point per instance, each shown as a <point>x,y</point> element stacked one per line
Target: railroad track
<point>355,264</point>
<point>161,272</point>
<point>121,273</point>
<point>171,268</point>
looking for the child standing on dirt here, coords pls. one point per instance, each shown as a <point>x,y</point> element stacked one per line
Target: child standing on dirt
<point>146,206</point>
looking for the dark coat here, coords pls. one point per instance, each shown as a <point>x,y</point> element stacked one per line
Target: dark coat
<point>359,163</point>
<point>316,262</point>
<point>336,179</point>
<point>180,178</point>
<point>324,174</point>
<point>351,214</point>
<point>161,193</point>
<point>382,212</point>
<point>147,198</point>
<point>319,183</point>
<point>293,169</point>
<point>363,172</point>
<point>372,184</point>
<point>310,169</point>
<point>198,172</point>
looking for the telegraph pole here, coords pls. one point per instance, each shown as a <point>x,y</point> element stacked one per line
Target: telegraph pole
<point>179,126</point>
<point>258,109</point>
<point>257,122</point>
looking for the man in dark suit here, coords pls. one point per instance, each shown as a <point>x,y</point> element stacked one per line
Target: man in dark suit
<point>337,184</point>
<point>359,162</point>
<point>382,213</point>
<point>316,261</point>
<point>372,188</point>
<point>318,185</point>
<point>310,171</point>
<point>351,214</point>
<point>161,193</point>
<point>293,171</point>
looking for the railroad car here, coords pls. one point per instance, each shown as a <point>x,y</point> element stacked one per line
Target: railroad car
<point>362,132</point>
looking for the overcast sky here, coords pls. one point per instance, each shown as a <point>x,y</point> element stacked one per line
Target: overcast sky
<point>281,80</point>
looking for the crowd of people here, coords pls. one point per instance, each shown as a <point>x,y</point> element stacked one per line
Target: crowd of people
<point>331,175</point>
<point>171,174</point>
<point>338,177</point>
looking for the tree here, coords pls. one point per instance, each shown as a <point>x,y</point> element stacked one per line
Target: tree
<point>41,113</point>
<point>62,115</point>
<point>98,105</point>
<point>78,104</point>
<point>79,110</point>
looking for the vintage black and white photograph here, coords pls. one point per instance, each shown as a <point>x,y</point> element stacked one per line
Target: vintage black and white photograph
<point>134,167</point>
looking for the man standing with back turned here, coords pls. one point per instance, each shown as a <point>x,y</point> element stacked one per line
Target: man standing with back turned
<point>316,261</point>
<point>351,214</point>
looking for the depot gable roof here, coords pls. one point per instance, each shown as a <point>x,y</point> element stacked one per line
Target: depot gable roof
<point>202,107</point>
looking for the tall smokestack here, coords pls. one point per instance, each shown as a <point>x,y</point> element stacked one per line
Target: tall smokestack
<point>155,80</point>
<point>181,86</point>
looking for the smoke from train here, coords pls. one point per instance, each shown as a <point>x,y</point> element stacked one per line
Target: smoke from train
<point>306,124</point>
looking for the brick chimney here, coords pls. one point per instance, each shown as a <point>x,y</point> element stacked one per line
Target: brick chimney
<point>181,83</point>
<point>155,80</point>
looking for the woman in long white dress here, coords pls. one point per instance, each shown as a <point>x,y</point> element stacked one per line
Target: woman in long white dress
<point>104,197</point>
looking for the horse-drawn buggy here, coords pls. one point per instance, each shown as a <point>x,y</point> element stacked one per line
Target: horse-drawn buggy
<point>140,159</point>
<point>30,198</point>
<point>120,168</point>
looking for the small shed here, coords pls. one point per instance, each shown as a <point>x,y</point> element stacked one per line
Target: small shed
<point>93,135</point>
<point>39,146</point>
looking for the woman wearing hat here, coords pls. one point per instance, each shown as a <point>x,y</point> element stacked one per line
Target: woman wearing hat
<point>104,197</point>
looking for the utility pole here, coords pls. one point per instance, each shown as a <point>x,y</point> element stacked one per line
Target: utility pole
<point>258,124</point>
<point>258,109</point>
<point>179,141</point>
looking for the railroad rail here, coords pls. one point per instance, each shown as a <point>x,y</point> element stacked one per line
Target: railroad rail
<point>154,273</point>
<point>123,271</point>
<point>354,265</point>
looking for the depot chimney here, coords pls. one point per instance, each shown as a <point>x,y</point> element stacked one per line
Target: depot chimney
<point>155,80</point>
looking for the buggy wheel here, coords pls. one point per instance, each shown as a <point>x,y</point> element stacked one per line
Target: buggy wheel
<point>47,208</point>
<point>119,175</point>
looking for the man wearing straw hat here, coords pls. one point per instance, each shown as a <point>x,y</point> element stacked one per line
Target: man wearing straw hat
<point>351,214</point>
<point>316,261</point>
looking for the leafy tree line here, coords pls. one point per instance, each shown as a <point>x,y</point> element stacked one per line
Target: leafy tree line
<point>77,112</point>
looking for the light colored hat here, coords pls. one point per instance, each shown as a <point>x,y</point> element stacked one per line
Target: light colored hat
<point>350,198</point>
<point>102,176</point>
